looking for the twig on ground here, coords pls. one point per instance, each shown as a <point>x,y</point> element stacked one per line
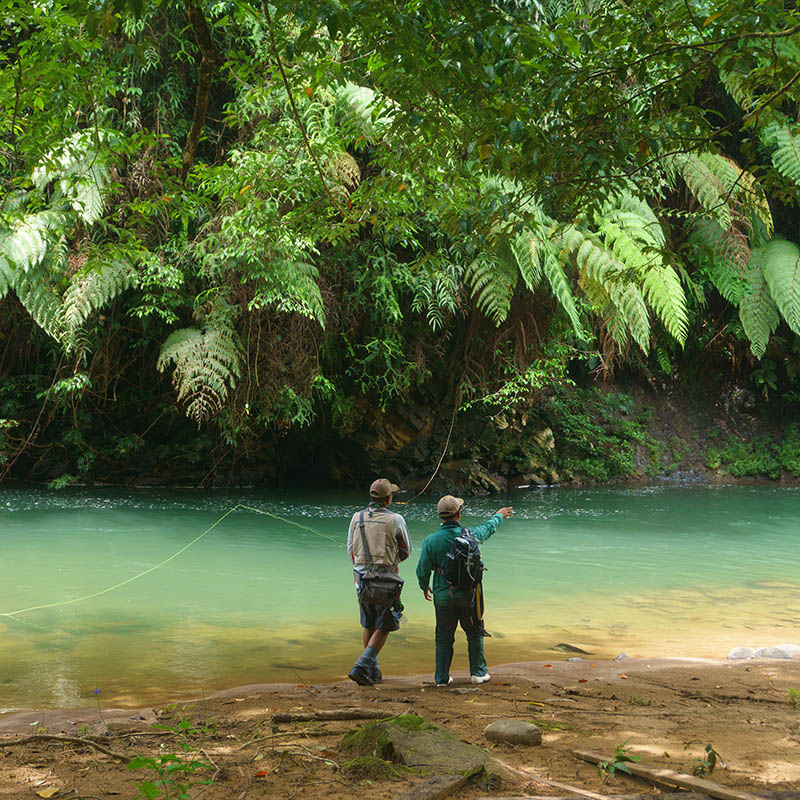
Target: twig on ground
<point>39,737</point>
<point>341,713</point>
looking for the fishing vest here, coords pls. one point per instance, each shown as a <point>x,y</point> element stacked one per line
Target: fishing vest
<point>379,527</point>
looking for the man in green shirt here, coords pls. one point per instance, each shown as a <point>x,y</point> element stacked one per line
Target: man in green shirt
<point>454,606</point>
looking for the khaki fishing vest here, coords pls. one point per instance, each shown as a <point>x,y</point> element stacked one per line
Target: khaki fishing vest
<point>379,529</point>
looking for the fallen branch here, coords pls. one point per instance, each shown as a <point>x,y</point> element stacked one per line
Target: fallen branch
<point>565,786</point>
<point>281,735</point>
<point>670,778</point>
<point>343,713</point>
<point>39,737</point>
<point>528,775</point>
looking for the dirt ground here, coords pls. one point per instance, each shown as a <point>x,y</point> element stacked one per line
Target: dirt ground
<point>665,711</point>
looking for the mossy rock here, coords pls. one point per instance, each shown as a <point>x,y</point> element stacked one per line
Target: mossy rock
<point>375,769</point>
<point>416,742</point>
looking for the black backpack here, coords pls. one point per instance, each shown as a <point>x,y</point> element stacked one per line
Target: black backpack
<point>463,566</point>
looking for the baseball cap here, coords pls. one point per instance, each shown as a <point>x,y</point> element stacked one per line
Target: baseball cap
<point>449,506</point>
<point>382,487</point>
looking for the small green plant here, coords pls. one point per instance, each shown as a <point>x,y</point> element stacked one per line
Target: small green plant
<point>713,459</point>
<point>619,762</point>
<point>704,764</point>
<point>638,700</point>
<point>173,776</point>
<point>793,695</point>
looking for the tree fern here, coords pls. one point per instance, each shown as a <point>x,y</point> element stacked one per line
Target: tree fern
<point>781,269</point>
<point>757,309</point>
<point>101,279</point>
<point>207,363</point>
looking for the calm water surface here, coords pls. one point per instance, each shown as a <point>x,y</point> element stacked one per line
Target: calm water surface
<point>651,571</point>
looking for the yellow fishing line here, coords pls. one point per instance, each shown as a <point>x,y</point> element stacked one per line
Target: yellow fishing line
<point>167,560</point>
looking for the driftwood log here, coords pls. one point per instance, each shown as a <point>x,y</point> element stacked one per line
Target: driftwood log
<point>670,778</point>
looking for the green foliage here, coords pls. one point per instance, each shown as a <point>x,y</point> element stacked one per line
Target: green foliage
<point>619,761</point>
<point>705,764</point>
<point>597,433</point>
<point>175,774</point>
<point>756,458</point>
<point>207,363</point>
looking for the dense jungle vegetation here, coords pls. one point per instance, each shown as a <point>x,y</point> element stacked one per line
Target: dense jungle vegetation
<point>243,241</point>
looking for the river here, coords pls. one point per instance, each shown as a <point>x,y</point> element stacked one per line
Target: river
<point>653,571</point>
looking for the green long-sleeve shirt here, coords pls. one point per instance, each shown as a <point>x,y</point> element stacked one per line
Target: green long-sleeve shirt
<point>434,549</point>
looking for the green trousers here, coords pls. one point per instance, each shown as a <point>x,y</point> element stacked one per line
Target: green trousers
<point>449,615</point>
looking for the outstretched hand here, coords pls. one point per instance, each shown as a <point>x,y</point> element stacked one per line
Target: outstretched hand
<point>505,512</point>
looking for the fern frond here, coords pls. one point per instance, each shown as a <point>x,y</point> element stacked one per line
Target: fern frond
<point>40,300</point>
<point>361,107</point>
<point>710,191</point>
<point>781,268</point>
<point>664,294</point>
<point>757,309</point>
<point>207,364</point>
<point>293,289</point>
<point>81,174</point>
<point>726,253</point>
<point>25,245</point>
<point>786,157</point>
<point>528,252</point>
<point>559,283</point>
<point>644,217</point>
<point>6,276</point>
<point>592,258</point>
<point>101,279</point>
<point>633,313</point>
<point>492,283</point>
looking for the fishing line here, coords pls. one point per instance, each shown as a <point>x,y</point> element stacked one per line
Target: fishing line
<point>439,464</point>
<point>183,549</point>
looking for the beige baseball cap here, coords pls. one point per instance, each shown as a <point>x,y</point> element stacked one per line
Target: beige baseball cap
<point>448,506</point>
<point>382,487</point>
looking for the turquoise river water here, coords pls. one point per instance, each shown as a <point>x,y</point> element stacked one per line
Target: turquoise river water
<point>655,571</point>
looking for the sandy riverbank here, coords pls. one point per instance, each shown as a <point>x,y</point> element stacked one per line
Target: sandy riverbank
<point>666,710</point>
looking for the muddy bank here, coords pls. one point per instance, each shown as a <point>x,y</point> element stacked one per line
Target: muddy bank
<point>664,711</point>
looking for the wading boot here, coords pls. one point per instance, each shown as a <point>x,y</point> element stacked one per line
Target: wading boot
<point>376,674</point>
<point>361,675</point>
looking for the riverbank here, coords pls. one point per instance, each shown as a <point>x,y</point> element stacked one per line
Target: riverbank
<point>665,711</point>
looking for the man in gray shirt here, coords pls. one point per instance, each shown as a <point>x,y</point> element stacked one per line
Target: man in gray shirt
<point>377,541</point>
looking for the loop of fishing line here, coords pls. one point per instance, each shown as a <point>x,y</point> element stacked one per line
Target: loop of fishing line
<point>183,549</point>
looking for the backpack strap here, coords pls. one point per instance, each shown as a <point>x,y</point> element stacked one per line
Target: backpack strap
<point>364,536</point>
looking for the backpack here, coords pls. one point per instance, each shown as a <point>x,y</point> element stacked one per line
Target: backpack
<point>463,566</point>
